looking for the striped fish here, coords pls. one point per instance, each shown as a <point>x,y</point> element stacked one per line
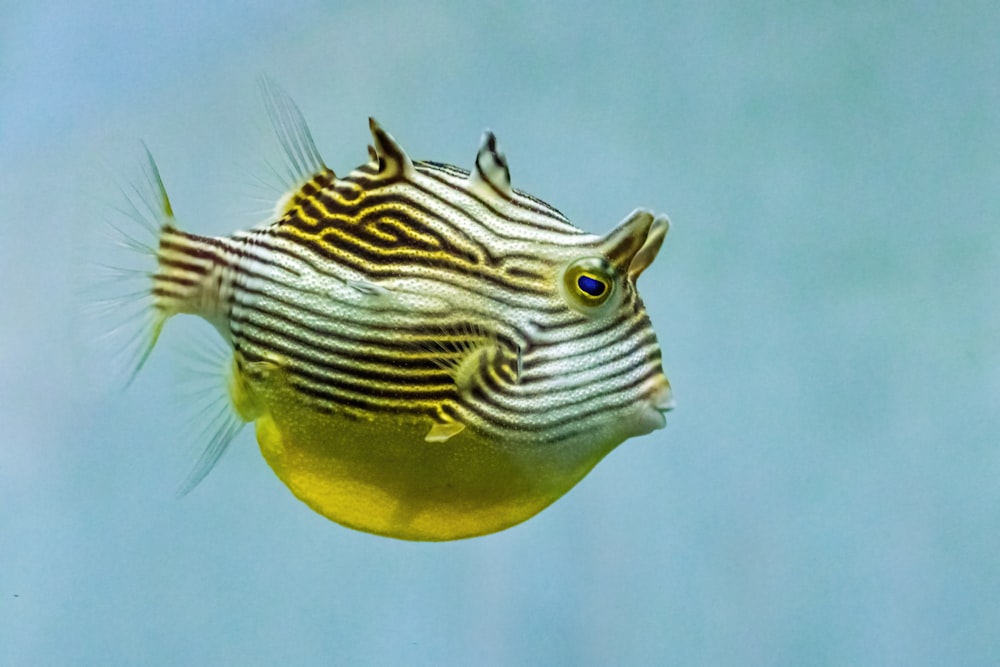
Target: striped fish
<point>426,352</point>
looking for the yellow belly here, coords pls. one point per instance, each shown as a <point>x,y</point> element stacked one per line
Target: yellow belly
<point>381,476</point>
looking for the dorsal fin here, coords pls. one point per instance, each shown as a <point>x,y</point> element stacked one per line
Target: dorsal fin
<point>392,159</point>
<point>490,174</point>
<point>302,159</point>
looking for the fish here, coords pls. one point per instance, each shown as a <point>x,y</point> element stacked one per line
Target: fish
<point>426,353</point>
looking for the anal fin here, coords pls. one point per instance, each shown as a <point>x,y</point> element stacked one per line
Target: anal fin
<point>228,412</point>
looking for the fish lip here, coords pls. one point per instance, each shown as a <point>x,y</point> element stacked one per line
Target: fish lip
<point>648,420</point>
<point>663,404</point>
<point>666,404</point>
<point>652,413</point>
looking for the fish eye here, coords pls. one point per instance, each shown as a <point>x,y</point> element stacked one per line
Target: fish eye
<point>588,283</point>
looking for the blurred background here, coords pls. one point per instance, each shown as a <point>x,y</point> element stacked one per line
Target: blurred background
<point>826,492</point>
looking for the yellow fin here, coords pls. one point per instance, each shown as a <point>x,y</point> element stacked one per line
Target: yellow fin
<point>442,432</point>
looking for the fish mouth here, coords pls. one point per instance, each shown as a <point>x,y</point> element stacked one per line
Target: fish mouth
<point>654,416</point>
<point>663,400</point>
<point>665,403</point>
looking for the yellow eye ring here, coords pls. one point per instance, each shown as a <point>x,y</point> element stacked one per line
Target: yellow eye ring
<point>588,282</point>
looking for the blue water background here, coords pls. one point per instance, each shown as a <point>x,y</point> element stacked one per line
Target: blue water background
<point>828,489</point>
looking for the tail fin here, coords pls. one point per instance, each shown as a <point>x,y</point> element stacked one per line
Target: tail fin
<point>192,273</point>
<point>125,307</point>
<point>166,271</point>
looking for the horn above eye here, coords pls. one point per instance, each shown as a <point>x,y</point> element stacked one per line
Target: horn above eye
<point>622,243</point>
<point>647,253</point>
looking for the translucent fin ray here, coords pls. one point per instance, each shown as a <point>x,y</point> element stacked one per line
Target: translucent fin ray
<point>206,362</point>
<point>120,302</point>
<point>224,427</point>
<point>302,158</point>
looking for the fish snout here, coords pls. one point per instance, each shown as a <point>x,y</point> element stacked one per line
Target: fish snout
<point>663,400</point>
<point>658,402</point>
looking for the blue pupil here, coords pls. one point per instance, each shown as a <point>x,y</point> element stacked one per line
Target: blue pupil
<point>591,286</point>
